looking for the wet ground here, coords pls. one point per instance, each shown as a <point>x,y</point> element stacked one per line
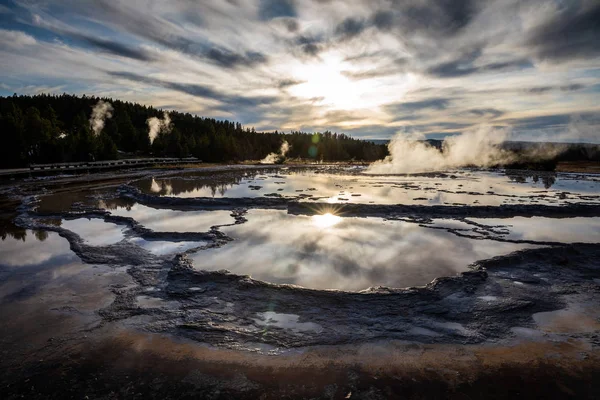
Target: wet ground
<point>333,283</point>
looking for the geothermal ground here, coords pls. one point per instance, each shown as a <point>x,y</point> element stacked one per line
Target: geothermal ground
<point>301,282</point>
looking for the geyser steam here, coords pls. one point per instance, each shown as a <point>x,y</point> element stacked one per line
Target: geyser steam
<point>481,147</point>
<point>274,158</point>
<point>156,125</point>
<point>101,111</point>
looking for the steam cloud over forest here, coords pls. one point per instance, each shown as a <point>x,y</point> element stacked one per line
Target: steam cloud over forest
<point>156,125</point>
<point>100,113</point>
<point>277,157</point>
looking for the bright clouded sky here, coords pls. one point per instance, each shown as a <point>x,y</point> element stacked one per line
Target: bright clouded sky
<point>369,68</point>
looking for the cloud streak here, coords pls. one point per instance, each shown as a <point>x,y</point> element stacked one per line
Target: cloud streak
<point>573,31</point>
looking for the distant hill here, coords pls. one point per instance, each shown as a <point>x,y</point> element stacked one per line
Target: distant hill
<point>550,153</point>
<point>433,142</point>
<point>378,141</point>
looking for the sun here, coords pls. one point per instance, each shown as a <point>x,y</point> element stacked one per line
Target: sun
<point>326,220</point>
<point>327,81</point>
<point>324,80</point>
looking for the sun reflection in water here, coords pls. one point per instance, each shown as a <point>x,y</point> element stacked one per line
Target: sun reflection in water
<point>326,220</point>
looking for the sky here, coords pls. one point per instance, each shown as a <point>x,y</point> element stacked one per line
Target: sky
<point>368,68</point>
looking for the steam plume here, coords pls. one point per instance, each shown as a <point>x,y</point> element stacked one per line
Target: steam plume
<point>101,111</point>
<point>156,125</point>
<point>274,158</point>
<point>478,147</point>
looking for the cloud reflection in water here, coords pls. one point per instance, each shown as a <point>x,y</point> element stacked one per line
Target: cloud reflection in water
<point>353,254</point>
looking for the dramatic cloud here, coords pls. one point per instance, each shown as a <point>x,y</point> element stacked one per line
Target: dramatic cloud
<point>94,41</point>
<point>287,83</point>
<point>465,65</point>
<point>199,91</point>
<point>369,68</point>
<point>15,39</point>
<point>229,59</point>
<point>547,89</point>
<point>269,9</point>
<point>383,20</point>
<point>429,17</point>
<point>118,49</point>
<point>573,31</point>
<point>350,27</point>
<point>438,104</point>
<point>311,46</point>
<point>485,112</point>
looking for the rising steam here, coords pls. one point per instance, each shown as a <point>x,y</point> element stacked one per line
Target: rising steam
<point>481,147</point>
<point>275,158</point>
<point>156,125</point>
<point>100,113</point>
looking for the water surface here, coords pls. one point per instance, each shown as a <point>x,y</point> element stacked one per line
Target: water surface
<point>160,220</point>
<point>95,231</point>
<point>329,252</point>
<point>349,186</point>
<point>541,229</point>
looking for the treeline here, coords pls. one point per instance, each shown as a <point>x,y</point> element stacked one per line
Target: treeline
<point>47,128</point>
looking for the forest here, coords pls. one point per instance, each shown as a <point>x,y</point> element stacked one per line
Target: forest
<point>65,128</point>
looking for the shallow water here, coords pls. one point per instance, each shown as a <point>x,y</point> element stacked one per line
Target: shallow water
<point>338,186</point>
<point>270,319</point>
<point>343,253</point>
<point>162,247</point>
<point>540,229</point>
<point>331,252</point>
<point>42,279</point>
<point>34,249</point>
<point>173,221</point>
<point>62,200</point>
<point>94,231</point>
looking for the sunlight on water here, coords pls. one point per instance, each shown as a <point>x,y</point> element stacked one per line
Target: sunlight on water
<point>326,220</point>
<point>346,253</point>
<point>325,186</point>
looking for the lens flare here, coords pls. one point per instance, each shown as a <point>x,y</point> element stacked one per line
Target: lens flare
<point>326,220</point>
